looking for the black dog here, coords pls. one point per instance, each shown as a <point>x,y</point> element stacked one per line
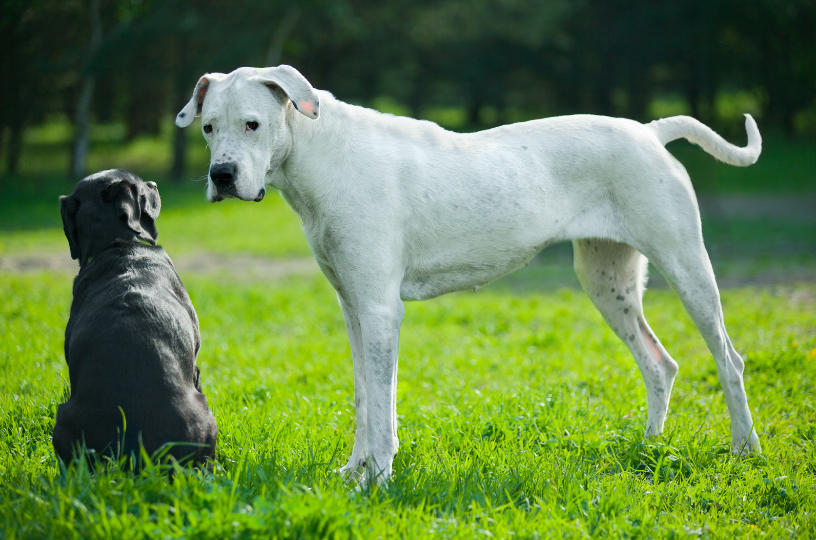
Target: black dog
<point>132,339</point>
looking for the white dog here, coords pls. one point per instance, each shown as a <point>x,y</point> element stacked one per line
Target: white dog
<point>400,209</point>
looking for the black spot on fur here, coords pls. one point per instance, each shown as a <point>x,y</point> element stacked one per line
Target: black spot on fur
<point>625,310</point>
<point>613,289</point>
<point>619,298</point>
<point>631,337</point>
<point>182,115</point>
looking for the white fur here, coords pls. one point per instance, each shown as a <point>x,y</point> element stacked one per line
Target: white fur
<point>400,209</point>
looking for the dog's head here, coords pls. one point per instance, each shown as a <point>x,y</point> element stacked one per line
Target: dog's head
<point>244,121</point>
<point>106,207</point>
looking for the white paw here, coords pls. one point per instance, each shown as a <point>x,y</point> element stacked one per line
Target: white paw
<point>743,446</point>
<point>375,474</point>
<point>353,471</point>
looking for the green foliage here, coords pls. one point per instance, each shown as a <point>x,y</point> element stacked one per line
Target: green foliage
<point>519,415</point>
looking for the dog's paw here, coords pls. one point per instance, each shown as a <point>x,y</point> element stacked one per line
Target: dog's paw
<point>352,472</point>
<point>742,447</point>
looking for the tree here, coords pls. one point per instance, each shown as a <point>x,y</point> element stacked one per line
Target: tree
<point>82,120</point>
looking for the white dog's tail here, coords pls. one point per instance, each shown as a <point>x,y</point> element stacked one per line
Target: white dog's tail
<point>676,127</point>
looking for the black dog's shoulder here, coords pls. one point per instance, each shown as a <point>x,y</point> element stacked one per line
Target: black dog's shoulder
<point>132,269</point>
<point>132,293</point>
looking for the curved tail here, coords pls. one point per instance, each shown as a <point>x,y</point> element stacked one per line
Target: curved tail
<point>676,127</point>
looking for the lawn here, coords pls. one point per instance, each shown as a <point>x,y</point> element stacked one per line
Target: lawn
<point>521,414</point>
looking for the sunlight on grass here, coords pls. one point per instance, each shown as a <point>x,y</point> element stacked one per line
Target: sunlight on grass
<point>518,415</point>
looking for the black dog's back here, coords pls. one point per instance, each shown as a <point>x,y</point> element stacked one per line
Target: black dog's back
<point>131,345</point>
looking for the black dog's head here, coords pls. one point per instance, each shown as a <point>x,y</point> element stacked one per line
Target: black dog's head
<point>109,206</point>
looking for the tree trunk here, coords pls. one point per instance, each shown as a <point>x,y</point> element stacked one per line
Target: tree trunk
<point>15,144</point>
<point>2,138</point>
<point>275,50</point>
<point>82,128</point>
<point>183,82</point>
<point>82,121</point>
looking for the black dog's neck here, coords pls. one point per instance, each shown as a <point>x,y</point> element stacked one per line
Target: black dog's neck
<point>116,243</point>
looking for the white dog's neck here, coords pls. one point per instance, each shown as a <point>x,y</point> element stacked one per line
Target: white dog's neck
<point>318,153</point>
<point>326,155</point>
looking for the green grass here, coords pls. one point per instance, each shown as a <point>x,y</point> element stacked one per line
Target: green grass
<point>30,220</point>
<point>519,415</point>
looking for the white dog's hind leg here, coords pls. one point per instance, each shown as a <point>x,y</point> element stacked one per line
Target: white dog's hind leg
<point>688,269</point>
<point>613,275</point>
<point>360,450</point>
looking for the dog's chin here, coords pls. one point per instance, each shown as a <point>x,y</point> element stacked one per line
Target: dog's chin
<point>215,196</point>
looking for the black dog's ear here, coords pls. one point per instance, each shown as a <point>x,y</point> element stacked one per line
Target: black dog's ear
<point>68,208</point>
<point>128,206</point>
<point>151,206</point>
<point>151,202</point>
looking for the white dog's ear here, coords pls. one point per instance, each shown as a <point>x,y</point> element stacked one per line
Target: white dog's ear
<point>294,85</point>
<point>193,107</point>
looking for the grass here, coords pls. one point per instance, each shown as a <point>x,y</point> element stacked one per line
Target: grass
<point>30,220</point>
<point>519,415</point>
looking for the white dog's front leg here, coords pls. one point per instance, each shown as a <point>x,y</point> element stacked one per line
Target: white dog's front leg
<point>360,450</point>
<point>380,327</point>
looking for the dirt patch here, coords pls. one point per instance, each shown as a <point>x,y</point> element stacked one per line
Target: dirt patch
<point>38,262</point>
<point>239,266</point>
<point>552,271</point>
<point>244,267</point>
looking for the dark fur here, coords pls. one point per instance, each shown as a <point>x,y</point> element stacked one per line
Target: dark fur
<point>132,339</point>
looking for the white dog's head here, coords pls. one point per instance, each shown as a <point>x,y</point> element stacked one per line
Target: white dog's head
<point>243,119</point>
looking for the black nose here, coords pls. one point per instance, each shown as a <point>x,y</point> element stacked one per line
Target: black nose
<point>223,174</point>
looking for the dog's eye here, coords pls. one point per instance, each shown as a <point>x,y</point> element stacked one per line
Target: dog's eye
<point>252,126</point>
<point>207,128</point>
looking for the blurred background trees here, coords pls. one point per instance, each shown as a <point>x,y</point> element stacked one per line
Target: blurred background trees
<point>125,67</point>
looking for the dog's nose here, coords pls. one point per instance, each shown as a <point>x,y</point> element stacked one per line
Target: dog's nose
<point>223,174</point>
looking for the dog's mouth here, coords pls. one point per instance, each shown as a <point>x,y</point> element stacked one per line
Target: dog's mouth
<point>218,196</point>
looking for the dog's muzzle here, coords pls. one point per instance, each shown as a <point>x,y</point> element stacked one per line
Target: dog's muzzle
<point>222,177</point>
